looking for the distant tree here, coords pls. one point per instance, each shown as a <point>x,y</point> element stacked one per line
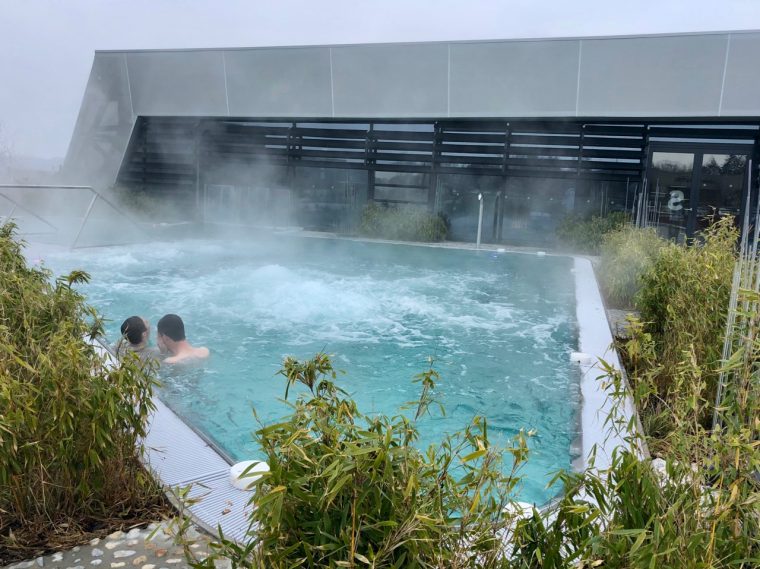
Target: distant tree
<point>734,164</point>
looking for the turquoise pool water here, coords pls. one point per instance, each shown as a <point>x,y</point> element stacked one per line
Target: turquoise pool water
<point>499,326</point>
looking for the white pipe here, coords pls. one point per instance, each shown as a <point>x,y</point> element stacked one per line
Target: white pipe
<point>480,219</point>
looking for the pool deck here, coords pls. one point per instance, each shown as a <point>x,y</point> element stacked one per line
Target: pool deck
<point>180,457</point>
<point>597,404</point>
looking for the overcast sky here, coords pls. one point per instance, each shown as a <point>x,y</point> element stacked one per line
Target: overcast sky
<point>47,46</point>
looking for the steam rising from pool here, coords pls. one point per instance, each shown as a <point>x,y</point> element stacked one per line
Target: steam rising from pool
<point>499,327</point>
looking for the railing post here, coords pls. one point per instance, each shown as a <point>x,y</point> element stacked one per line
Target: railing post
<point>86,215</point>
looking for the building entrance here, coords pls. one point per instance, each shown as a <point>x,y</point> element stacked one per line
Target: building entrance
<point>690,187</point>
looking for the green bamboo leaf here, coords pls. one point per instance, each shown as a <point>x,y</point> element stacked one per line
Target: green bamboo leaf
<point>628,532</point>
<point>474,455</point>
<point>636,544</point>
<point>333,492</point>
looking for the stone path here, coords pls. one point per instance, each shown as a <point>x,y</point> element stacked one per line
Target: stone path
<point>151,547</point>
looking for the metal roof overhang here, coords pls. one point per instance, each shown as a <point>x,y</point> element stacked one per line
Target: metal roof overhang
<point>705,77</point>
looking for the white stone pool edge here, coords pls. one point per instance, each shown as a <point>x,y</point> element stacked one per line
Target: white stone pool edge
<point>597,404</point>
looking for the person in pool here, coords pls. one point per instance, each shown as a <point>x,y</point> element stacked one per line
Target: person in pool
<point>172,341</point>
<point>135,334</point>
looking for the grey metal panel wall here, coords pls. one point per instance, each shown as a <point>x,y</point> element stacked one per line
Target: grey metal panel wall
<point>655,76</point>
<point>279,82</point>
<point>514,79</point>
<point>103,126</point>
<point>400,81</point>
<point>695,75</point>
<point>177,83</point>
<point>741,91</point>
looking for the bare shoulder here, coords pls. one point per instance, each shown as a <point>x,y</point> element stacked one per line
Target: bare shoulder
<point>193,354</point>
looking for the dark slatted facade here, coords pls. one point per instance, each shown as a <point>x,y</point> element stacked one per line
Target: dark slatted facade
<point>337,167</point>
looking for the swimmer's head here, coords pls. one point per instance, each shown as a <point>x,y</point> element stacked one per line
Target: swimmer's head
<point>172,327</point>
<point>135,329</point>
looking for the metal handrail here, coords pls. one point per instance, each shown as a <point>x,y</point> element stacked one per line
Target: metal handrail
<point>17,205</point>
<point>96,195</point>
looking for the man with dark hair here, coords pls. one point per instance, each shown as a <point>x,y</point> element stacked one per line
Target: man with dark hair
<point>171,340</point>
<point>135,333</point>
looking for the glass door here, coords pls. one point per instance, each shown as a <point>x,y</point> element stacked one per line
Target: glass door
<point>669,194</point>
<point>690,188</point>
<point>721,187</point>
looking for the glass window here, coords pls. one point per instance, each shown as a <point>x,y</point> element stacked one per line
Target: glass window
<point>668,194</point>
<point>721,187</point>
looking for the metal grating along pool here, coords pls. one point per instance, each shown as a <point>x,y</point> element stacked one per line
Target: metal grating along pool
<point>500,327</point>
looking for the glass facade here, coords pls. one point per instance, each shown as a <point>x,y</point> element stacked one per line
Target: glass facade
<point>689,190</point>
<point>531,175</point>
<point>721,187</point>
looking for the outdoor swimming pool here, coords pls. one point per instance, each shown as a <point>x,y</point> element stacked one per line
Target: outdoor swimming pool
<point>500,327</point>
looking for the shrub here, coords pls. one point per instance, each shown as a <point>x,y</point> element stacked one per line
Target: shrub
<point>635,516</point>
<point>346,489</point>
<point>697,508</point>
<point>684,304</point>
<point>69,424</point>
<point>402,223</point>
<point>585,235</point>
<point>627,254</point>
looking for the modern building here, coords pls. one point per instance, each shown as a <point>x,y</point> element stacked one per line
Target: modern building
<point>665,127</point>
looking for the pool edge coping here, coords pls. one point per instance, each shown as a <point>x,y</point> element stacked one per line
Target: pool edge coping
<point>597,439</point>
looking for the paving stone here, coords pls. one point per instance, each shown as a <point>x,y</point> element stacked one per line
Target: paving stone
<point>123,551</point>
<point>116,535</point>
<point>114,544</point>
